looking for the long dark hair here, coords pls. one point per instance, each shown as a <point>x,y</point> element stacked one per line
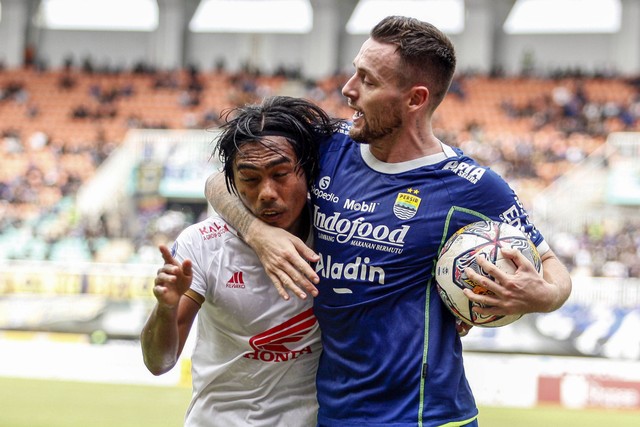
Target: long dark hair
<point>302,123</point>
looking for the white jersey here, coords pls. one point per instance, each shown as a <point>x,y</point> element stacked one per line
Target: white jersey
<point>255,357</point>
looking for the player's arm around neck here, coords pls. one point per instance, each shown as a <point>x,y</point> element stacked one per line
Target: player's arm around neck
<point>283,256</point>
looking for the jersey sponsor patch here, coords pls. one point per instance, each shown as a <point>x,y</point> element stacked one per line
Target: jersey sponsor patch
<point>470,172</point>
<point>407,204</point>
<point>275,344</point>
<point>213,231</point>
<point>362,206</point>
<point>236,281</point>
<point>359,269</point>
<point>358,232</point>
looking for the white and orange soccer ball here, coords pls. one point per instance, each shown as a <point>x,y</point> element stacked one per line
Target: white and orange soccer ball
<point>479,239</point>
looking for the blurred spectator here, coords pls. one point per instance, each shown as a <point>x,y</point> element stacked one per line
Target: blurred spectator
<point>40,171</point>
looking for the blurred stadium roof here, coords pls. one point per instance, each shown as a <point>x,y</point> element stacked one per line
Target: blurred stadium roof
<point>273,16</point>
<point>296,16</point>
<point>117,15</point>
<point>564,16</point>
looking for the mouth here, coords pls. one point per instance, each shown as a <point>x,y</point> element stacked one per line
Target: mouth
<point>357,114</point>
<point>270,215</point>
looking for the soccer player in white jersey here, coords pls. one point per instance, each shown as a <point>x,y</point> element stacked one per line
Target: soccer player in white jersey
<point>256,355</point>
<point>388,194</point>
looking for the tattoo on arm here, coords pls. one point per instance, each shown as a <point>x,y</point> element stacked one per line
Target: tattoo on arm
<point>228,205</point>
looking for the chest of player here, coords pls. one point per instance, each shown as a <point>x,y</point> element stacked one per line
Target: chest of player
<point>239,296</point>
<point>378,229</point>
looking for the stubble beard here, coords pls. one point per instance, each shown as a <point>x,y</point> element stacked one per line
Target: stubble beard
<point>376,130</point>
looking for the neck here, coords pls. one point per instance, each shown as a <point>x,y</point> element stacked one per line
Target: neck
<point>405,147</point>
<point>302,225</point>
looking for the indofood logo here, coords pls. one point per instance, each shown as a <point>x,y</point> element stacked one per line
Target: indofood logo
<point>406,205</point>
<point>359,232</point>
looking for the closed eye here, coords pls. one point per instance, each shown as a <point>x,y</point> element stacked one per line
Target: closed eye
<point>245,178</point>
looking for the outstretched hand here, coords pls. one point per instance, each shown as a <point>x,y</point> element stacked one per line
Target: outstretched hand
<point>524,291</point>
<point>285,259</point>
<point>173,279</point>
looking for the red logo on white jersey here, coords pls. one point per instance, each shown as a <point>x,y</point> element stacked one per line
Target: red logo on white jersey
<point>236,280</point>
<point>213,231</point>
<point>271,345</point>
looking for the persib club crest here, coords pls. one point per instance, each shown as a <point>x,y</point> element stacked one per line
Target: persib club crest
<point>406,204</point>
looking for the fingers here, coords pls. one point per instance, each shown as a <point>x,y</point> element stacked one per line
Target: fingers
<point>290,279</point>
<point>163,287</point>
<point>286,259</point>
<point>166,255</point>
<point>305,251</point>
<point>310,277</point>
<point>483,300</point>
<point>172,279</point>
<point>490,269</point>
<point>462,328</point>
<point>277,283</point>
<point>291,272</point>
<point>164,280</point>
<point>517,257</point>
<point>281,290</point>
<point>187,269</point>
<point>487,295</point>
<point>301,277</point>
<point>484,282</point>
<point>517,290</point>
<point>298,276</point>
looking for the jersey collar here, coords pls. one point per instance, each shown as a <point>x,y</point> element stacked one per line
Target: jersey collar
<point>396,168</point>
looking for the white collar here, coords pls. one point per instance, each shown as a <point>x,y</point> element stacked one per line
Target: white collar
<point>396,168</point>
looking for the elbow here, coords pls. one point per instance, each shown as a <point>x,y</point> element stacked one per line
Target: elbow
<point>158,361</point>
<point>157,372</point>
<point>158,368</point>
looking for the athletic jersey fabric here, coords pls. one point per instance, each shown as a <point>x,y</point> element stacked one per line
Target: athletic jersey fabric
<point>391,354</point>
<point>255,357</point>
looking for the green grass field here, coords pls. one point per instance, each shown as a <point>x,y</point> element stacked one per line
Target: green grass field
<point>38,403</point>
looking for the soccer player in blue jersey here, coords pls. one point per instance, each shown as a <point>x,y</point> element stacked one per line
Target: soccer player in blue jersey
<point>388,194</point>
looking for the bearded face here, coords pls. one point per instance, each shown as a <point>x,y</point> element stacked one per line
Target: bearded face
<point>375,94</point>
<point>375,123</point>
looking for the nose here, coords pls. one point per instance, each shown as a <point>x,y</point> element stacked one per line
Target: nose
<point>267,191</point>
<point>348,90</point>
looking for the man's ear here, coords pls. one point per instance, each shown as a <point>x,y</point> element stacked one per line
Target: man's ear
<point>419,97</point>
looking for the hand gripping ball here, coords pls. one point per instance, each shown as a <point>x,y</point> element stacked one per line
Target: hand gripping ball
<point>479,239</point>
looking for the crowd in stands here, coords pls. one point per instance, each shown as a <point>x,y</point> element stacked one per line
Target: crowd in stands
<point>58,126</point>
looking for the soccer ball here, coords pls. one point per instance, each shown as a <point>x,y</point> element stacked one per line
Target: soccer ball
<point>485,239</point>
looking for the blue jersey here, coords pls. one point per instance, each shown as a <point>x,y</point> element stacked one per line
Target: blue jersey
<point>392,356</point>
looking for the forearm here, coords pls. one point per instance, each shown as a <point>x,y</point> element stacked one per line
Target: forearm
<point>555,273</point>
<point>284,256</point>
<point>160,340</point>
<point>228,206</point>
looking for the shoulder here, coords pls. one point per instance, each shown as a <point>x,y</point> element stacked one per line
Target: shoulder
<point>468,170</point>
<point>212,224</point>
<point>474,186</point>
<point>213,231</point>
<point>339,137</point>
